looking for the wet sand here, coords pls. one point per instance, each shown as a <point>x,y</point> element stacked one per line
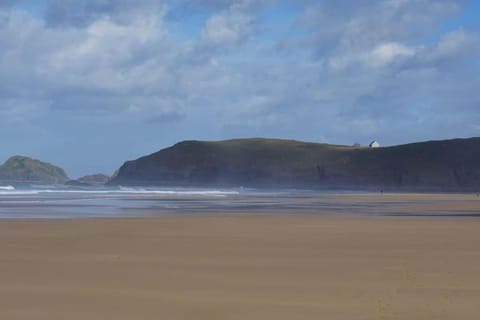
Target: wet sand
<point>241,267</point>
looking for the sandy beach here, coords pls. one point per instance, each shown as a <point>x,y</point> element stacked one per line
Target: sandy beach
<point>239,160</point>
<point>241,267</point>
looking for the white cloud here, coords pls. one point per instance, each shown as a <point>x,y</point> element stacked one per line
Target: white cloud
<point>227,28</point>
<point>387,52</point>
<point>379,56</point>
<point>354,27</point>
<point>457,44</point>
<point>81,13</point>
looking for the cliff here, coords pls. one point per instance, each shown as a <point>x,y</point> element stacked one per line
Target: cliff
<point>448,165</point>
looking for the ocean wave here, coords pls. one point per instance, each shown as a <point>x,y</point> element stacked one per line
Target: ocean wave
<point>18,192</point>
<point>119,191</point>
<point>173,192</point>
<point>7,188</point>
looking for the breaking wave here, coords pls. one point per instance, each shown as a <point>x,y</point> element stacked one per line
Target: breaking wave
<point>10,190</point>
<point>173,192</point>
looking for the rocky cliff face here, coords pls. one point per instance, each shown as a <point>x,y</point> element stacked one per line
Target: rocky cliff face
<point>435,165</point>
<point>20,169</point>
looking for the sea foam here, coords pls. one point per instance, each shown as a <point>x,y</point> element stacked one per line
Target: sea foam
<point>10,190</point>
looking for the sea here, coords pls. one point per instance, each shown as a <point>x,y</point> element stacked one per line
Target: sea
<point>64,202</point>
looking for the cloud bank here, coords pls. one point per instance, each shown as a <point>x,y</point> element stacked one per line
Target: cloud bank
<point>90,83</point>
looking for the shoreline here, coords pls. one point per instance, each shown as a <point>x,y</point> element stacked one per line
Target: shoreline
<point>79,206</point>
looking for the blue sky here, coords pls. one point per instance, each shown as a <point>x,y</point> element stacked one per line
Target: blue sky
<point>89,84</point>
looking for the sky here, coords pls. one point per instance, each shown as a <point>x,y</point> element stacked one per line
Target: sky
<point>89,84</point>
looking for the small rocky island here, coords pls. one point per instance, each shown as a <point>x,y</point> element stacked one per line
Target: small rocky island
<point>89,180</point>
<point>25,170</point>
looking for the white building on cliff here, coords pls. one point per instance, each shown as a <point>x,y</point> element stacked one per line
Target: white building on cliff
<point>374,144</point>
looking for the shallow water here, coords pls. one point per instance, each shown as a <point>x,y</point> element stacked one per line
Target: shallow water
<point>51,202</point>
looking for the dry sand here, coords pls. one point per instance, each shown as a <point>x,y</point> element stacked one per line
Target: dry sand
<point>241,267</point>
